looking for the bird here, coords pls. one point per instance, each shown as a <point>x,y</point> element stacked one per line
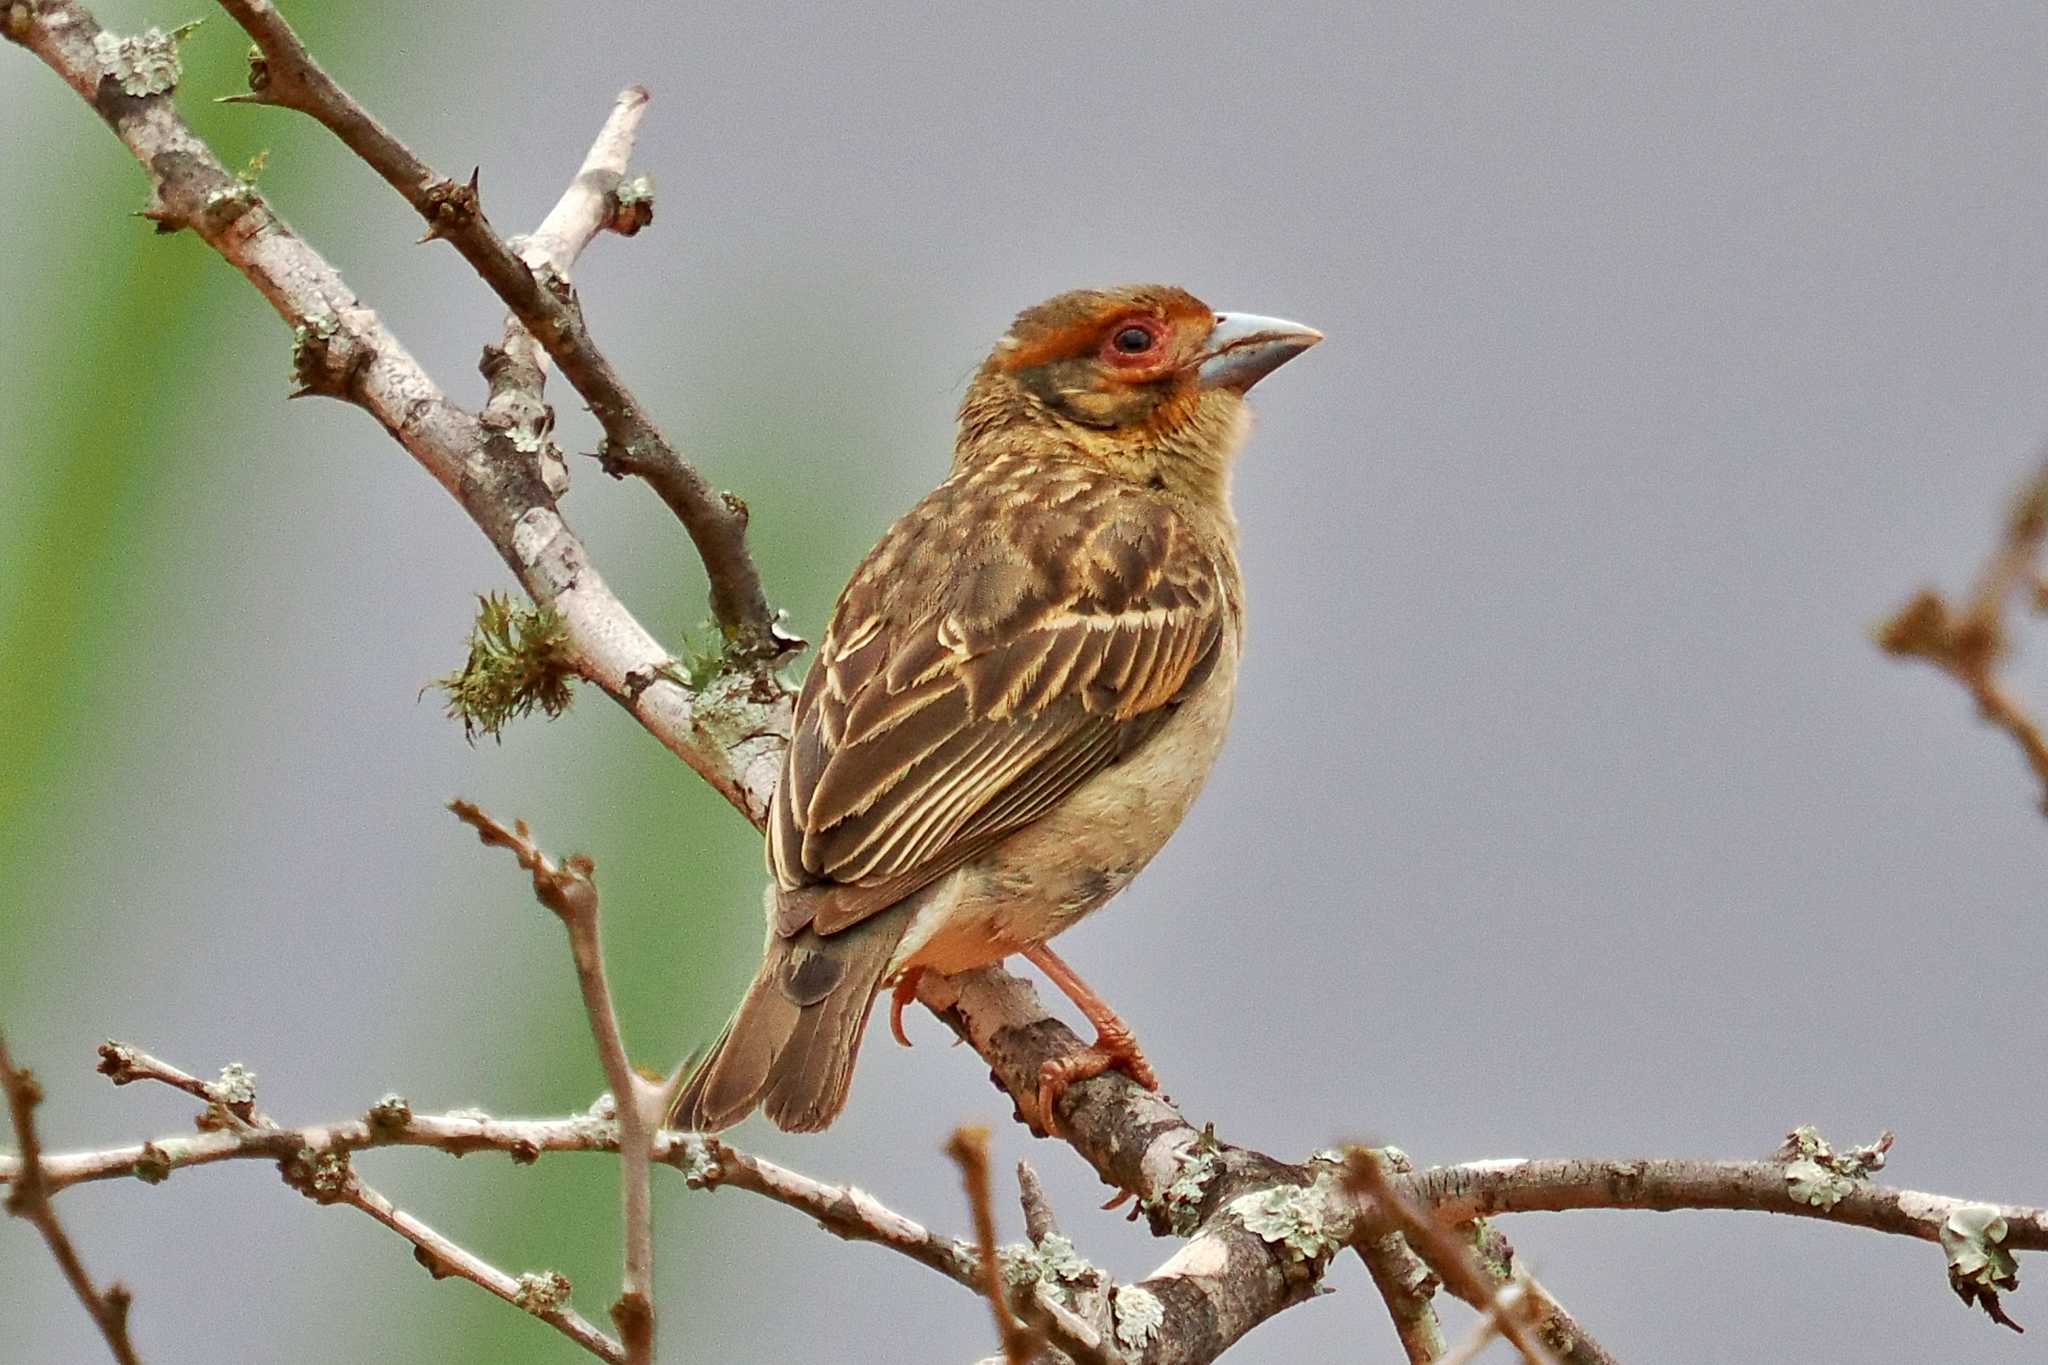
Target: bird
<point>1018,695</point>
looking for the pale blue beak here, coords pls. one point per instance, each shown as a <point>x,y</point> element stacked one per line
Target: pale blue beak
<point>1244,348</point>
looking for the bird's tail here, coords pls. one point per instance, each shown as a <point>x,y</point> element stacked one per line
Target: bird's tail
<point>790,1046</point>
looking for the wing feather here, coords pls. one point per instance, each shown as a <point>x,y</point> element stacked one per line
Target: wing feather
<point>978,668</point>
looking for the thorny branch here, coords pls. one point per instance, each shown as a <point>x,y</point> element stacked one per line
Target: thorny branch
<point>1970,641</point>
<point>28,1197</point>
<point>286,74</point>
<point>1258,1232</point>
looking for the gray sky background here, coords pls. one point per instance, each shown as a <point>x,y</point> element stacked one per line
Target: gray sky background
<point>1569,809</point>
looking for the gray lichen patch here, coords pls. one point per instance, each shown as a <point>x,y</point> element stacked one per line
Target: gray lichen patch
<point>1816,1174</point>
<point>1979,1262</point>
<point>1809,1182</point>
<point>1138,1314</point>
<point>1296,1218</point>
<point>145,63</point>
<point>235,1088</point>
<point>543,1291</point>
<point>1179,1206</point>
<point>1052,1261</point>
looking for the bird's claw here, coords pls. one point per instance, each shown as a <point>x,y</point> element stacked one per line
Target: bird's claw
<point>1113,1050</point>
<point>902,994</point>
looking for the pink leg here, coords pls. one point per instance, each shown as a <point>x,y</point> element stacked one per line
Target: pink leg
<point>1115,1048</point>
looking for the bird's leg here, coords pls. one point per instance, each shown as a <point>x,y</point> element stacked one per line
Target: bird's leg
<point>1114,1047</point>
<point>903,993</point>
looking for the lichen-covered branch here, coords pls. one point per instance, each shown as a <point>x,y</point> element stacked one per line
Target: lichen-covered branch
<point>1480,1188</point>
<point>1978,1238</point>
<point>28,1197</point>
<point>731,732</point>
<point>286,74</point>
<point>1970,641</point>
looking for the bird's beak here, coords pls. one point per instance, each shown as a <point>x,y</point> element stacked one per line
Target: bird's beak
<point>1244,348</point>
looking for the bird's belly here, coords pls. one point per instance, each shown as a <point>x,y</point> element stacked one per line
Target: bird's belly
<point>1046,876</point>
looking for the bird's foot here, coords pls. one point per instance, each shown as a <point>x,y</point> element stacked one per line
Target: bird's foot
<point>1114,1049</point>
<point>902,994</point>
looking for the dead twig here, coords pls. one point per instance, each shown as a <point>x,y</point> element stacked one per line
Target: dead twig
<point>566,889</point>
<point>1969,642</point>
<point>1453,1261</point>
<point>28,1198</point>
<point>969,1148</point>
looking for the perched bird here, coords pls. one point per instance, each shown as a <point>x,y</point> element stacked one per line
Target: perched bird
<point>1018,696</point>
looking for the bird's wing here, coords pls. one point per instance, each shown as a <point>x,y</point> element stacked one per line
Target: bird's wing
<point>1003,643</point>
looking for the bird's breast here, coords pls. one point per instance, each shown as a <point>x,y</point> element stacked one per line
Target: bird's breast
<point>1049,874</point>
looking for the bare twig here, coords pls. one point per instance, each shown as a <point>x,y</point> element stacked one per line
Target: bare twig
<point>969,1147</point>
<point>286,74</point>
<point>545,1294</point>
<point>1039,1222</point>
<point>1573,1342</point>
<point>1507,1303</point>
<point>28,1197</point>
<point>566,888</point>
<point>517,366</point>
<point>1406,1286</point>
<point>230,1101</point>
<point>1453,1261</point>
<point>1968,644</point>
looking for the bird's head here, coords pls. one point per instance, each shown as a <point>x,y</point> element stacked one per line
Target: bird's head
<point>1146,380</point>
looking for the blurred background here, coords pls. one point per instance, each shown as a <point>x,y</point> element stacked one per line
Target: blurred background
<point>1569,809</point>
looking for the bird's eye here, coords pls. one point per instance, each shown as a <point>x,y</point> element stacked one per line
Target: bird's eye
<point>1133,341</point>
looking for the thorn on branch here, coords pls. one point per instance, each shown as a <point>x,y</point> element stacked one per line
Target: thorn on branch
<point>1039,1222</point>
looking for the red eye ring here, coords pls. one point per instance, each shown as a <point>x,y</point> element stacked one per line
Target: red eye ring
<point>1134,341</point>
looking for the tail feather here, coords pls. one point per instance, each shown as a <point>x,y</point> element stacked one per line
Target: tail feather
<point>791,1044</point>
